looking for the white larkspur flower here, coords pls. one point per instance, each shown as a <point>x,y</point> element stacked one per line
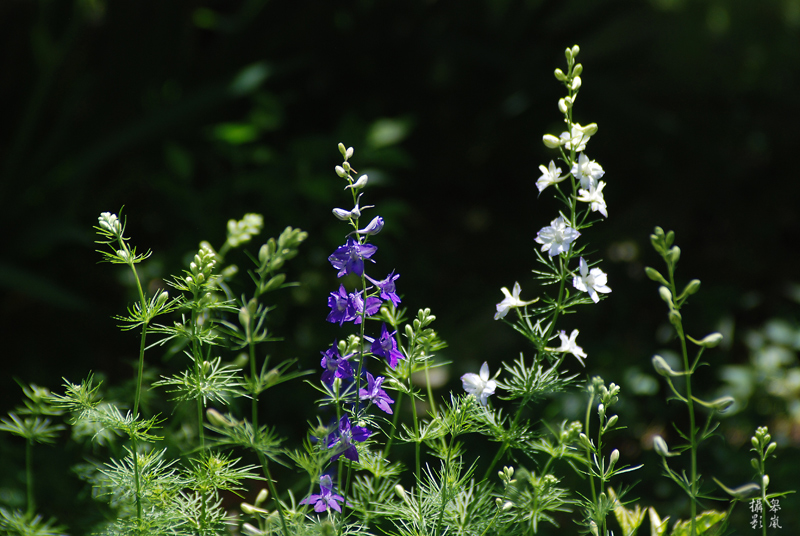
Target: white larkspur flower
<point>587,171</point>
<point>569,345</point>
<point>594,195</point>
<point>557,237</point>
<point>479,385</point>
<point>510,301</point>
<point>551,175</point>
<point>591,281</point>
<point>578,136</point>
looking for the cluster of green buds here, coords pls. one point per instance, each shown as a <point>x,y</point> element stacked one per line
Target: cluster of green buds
<point>242,231</point>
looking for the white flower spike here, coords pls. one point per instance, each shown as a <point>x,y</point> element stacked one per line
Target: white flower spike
<point>479,385</point>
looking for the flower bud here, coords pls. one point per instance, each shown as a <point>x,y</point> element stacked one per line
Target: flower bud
<point>250,509</point>
<point>250,530</point>
<point>551,142</point>
<point>349,154</point>
<point>601,410</point>
<point>244,316</point>
<point>655,275</point>
<point>498,502</point>
<point>217,419</point>
<point>262,496</point>
<point>340,171</point>
<point>162,299</point>
<point>613,459</point>
<point>764,482</point>
<point>560,76</point>
<point>662,367</point>
<point>666,295</point>
<point>612,421</point>
<point>123,254</point>
<point>709,341</point>
<point>562,106</point>
<point>508,505</point>
<point>661,447</point>
<point>577,70</point>
<point>674,254</point>
<point>675,319</point>
<point>576,83</point>
<point>400,492</point>
<point>342,150</point>
<point>575,50</point>
<point>374,227</point>
<point>590,129</point>
<point>770,449</point>
<point>360,183</point>
<point>341,214</point>
<point>692,287</point>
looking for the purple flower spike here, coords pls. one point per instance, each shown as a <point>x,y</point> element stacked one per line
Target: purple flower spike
<point>343,439</point>
<point>387,288</point>
<point>349,258</point>
<point>386,346</point>
<point>375,394</point>
<point>326,498</point>
<point>335,366</point>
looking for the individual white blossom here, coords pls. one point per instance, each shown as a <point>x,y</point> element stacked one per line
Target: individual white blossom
<point>587,171</point>
<point>510,301</point>
<point>594,195</point>
<point>569,345</point>
<point>479,385</point>
<point>578,136</point>
<point>557,237</point>
<point>551,175</point>
<point>591,281</point>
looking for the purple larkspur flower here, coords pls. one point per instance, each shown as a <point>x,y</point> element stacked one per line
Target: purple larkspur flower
<point>372,306</point>
<point>349,258</point>
<point>342,307</point>
<point>375,394</point>
<point>326,498</point>
<point>343,439</point>
<point>387,288</point>
<point>350,307</point>
<point>385,346</point>
<point>335,365</point>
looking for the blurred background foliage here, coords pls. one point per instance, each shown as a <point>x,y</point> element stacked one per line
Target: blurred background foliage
<point>190,113</point>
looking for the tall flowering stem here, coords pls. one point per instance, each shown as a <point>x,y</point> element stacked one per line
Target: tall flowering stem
<point>579,189</point>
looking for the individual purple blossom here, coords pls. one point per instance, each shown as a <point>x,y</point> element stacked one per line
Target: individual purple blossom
<point>375,394</point>
<point>335,366</point>
<point>343,439</point>
<point>385,346</point>
<point>349,258</point>
<point>387,288</point>
<point>350,307</point>
<point>342,307</point>
<point>372,306</point>
<point>326,498</point>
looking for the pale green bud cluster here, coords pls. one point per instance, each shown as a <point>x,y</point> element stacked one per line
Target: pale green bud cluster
<point>242,231</point>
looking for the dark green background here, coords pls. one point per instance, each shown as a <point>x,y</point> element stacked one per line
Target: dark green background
<point>192,113</point>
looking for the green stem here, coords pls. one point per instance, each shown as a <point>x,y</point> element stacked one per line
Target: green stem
<point>273,490</point>
<point>29,477</point>
<point>690,405</point>
<point>586,425</point>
